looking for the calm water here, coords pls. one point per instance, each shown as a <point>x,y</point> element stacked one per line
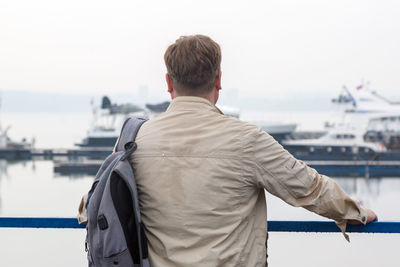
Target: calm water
<point>31,188</point>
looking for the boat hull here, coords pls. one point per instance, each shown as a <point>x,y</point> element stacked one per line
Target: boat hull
<point>303,152</point>
<point>98,142</point>
<point>15,154</point>
<point>357,168</point>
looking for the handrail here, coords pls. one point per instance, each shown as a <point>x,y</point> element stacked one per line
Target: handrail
<point>329,226</point>
<point>273,226</point>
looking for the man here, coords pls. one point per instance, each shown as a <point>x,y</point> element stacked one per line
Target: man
<point>201,175</point>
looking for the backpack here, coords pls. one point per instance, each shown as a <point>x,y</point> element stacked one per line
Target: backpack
<point>115,233</point>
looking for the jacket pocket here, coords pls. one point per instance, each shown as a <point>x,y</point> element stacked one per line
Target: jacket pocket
<point>111,236</point>
<point>122,259</point>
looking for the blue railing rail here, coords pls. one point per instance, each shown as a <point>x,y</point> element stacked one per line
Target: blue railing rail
<point>273,226</point>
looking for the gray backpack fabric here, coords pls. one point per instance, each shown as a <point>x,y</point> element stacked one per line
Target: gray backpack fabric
<point>115,233</point>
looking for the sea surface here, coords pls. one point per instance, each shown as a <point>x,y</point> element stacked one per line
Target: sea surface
<point>31,188</point>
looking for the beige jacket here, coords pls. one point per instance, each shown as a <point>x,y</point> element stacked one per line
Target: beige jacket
<point>201,177</point>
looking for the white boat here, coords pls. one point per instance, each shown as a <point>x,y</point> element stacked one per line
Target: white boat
<point>11,149</point>
<point>107,122</point>
<point>370,126</point>
<point>344,138</point>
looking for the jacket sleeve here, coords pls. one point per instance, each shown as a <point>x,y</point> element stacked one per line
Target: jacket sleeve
<point>82,212</point>
<point>299,185</point>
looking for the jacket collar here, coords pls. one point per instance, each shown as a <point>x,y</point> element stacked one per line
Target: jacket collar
<point>192,103</point>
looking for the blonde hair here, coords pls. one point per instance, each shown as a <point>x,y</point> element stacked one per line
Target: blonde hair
<point>193,62</point>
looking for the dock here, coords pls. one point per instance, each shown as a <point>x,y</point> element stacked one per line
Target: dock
<point>357,168</point>
<point>89,167</point>
<point>337,168</point>
<point>91,153</point>
<point>87,160</point>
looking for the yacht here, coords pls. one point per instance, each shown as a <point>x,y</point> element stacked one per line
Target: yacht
<point>369,130</point>
<point>341,143</point>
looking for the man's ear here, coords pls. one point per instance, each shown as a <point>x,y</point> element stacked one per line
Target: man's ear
<point>170,85</point>
<point>218,81</point>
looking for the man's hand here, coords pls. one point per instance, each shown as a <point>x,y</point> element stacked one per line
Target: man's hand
<point>371,217</point>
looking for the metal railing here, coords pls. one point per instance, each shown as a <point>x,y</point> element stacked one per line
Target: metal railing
<point>273,226</point>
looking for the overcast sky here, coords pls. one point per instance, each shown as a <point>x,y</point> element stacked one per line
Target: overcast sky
<point>269,47</point>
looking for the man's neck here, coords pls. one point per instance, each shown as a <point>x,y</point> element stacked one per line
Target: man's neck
<point>212,96</point>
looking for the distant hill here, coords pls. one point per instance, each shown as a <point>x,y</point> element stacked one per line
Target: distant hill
<point>33,102</point>
<point>26,102</point>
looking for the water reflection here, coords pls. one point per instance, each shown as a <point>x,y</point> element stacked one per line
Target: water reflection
<point>33,188</point>
<point>3,172</point>
<point>377,193</point>
<point>6,178</point>
<point>365,190</point>
<point>3,168</point>
<point>74,176</point>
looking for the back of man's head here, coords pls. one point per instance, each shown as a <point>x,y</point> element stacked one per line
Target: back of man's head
<point>193,63</point>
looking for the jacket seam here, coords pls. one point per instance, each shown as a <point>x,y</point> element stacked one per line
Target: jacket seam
<point>185,156</point>
<point>275,178</point>
<point>242,256</point>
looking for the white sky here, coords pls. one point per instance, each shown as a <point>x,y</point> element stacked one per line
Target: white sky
<point>269,48</point>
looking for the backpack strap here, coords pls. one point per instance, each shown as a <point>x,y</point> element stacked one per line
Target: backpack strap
<point>128,133</point>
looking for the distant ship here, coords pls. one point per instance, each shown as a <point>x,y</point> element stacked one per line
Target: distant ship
<point>364,100</point>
